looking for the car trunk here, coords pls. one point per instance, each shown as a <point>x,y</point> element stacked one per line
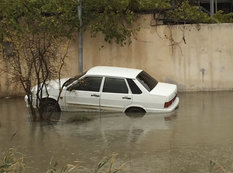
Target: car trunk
<point>164,89</point>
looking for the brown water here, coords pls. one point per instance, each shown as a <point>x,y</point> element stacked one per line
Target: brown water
<point>187,140</point>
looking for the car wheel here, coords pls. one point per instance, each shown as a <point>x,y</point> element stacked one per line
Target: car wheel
<point>135,112</point>
<point>49,109</point>
<point>49,105</point>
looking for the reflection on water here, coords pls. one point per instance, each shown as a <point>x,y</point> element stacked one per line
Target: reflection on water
<point>185,140</point>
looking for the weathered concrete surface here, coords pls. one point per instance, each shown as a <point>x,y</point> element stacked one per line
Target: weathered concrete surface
<point>7,86</point>
<point>195,57</point>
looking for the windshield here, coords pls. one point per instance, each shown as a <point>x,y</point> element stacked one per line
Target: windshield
<point>146,80</point>
<point>71,80</point>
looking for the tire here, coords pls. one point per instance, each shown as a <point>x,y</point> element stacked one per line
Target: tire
<point>50,110</point>
<point>135,112</point>
<point>49,105</point>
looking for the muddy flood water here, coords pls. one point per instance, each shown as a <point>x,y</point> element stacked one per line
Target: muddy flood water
<point>198,137</point>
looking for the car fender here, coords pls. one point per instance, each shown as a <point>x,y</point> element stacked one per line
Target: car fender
<point>133,105</point>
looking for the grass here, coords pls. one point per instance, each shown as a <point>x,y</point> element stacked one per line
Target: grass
<point>214,166</point>
<point>107,165</point>
<point>65,169</point>
<point>12,161</point>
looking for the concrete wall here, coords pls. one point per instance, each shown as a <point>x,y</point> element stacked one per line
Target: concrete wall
<point>7,86</point>
<point>195,57</point>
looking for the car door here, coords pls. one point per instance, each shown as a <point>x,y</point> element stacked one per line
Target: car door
<point>115,94</point>
<point>84,94</point>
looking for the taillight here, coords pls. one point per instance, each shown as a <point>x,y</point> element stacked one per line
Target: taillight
<point>167,104</point>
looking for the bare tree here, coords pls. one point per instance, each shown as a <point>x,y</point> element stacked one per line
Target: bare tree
<point>34,61</point>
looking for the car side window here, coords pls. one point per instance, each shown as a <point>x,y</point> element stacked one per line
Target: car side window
<point>133,87</point>
<point>115,85</point>
<point>88,84</point>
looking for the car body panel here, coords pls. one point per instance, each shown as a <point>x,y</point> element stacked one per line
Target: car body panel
<point>117,102</point>
<point>82,100</point>
<point>114,72</point>
<point>164,89</point>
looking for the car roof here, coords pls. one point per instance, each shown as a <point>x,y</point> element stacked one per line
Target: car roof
<point>113,72</point>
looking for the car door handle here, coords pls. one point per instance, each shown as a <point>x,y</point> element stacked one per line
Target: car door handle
<point>95,95</point>
<point>128,98</point>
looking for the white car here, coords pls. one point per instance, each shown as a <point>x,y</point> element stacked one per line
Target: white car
<point>104,88</point>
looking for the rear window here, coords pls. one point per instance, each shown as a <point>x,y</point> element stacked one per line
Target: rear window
<point>146,80</point>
